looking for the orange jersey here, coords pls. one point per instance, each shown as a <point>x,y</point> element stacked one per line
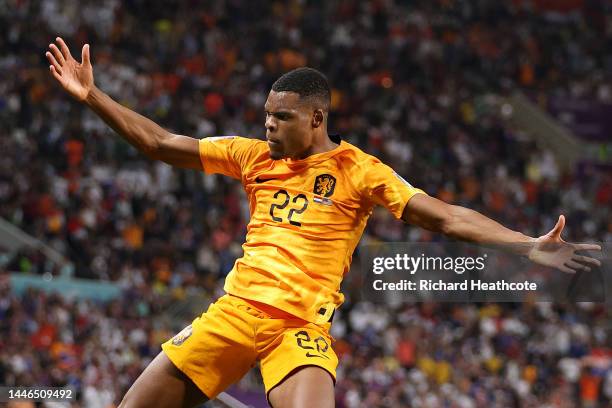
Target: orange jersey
<point>307,217</point>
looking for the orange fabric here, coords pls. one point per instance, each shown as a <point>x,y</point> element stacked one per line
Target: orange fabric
<point>307,217</point>
<point>589,387</point>
<point>270,310</point>
<point>530,373</point>
<point>220,346</point>
<point>20,404</point>
<point>406,352</point>
<point>74,151</point>
<point>527,74</point>
<point>133,235</point>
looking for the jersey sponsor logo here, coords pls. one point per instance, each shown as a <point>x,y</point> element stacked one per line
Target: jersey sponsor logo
<point>182,336</point>
<point>324,185</point>
<point>309,354</point>
<point>263,180</point>
<point>402,180</point>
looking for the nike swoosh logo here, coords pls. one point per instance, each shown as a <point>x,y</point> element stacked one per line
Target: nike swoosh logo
<point>260,180</point>
<point>315,355</point>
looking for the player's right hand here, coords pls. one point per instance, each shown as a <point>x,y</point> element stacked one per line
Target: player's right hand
<point>75,77</point>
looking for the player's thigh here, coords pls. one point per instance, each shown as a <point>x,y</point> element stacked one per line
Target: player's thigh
<point>299,365</point>
<point>306,386</point>
<point>162,385</point>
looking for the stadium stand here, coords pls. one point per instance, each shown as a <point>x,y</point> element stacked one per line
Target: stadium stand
<point>418,85</point>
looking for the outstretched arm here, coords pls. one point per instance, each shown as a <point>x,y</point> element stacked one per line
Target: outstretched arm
<point>468,225</point>
<point>144,134</point>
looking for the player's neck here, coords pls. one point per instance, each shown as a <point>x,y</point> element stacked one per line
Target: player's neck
<point>321,144</point>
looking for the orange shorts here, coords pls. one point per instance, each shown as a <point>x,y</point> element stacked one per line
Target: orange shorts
<point>219,347</point>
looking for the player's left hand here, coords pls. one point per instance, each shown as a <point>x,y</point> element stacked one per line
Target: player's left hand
<point>551,250</point>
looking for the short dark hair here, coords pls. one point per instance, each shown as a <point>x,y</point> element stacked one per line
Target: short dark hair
<point>308,83</point>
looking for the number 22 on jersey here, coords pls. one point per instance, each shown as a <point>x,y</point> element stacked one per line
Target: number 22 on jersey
<point>297,205</point>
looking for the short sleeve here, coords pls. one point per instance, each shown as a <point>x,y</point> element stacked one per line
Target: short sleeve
<point>227,155</point>
<point>383,186</point>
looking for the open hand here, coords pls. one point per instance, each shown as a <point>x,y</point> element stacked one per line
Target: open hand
<point>551,250</point>
<point>76,78</point>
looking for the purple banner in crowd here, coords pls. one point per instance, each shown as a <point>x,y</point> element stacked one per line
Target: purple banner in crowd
<point>587,118</point>
<point>251,399</point>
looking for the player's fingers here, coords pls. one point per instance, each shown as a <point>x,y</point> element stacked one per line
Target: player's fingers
<point>577,266</point>
<point>556,231</point>
<point>565,269</point>
<point>586,260</point>
<point>57,54</point>
<point>587,247</point>
<point>85,55</point>
<point>54,73</point>
<point>53,62</point>
<point>64,48</point>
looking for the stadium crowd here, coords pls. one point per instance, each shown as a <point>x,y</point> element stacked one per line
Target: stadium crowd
<point>464,356</point>
<point>418,86</point>
<point>98,349</point>
<point>418,355</point>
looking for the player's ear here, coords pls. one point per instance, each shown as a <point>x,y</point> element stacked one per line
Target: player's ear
<point>317,118</point>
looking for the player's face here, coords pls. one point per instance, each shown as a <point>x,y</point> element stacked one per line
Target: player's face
<point>289,128</point>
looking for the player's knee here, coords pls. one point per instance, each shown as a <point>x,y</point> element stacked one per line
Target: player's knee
<point>139,398</point>
<point>162,385</point>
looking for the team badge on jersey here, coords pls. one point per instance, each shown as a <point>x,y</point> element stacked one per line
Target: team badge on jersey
<point>324,185</point>
<point>182,336</point>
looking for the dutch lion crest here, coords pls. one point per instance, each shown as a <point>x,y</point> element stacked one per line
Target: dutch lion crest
<point>324,185</point>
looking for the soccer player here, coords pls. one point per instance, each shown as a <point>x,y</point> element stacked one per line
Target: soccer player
<point>310,195</point>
